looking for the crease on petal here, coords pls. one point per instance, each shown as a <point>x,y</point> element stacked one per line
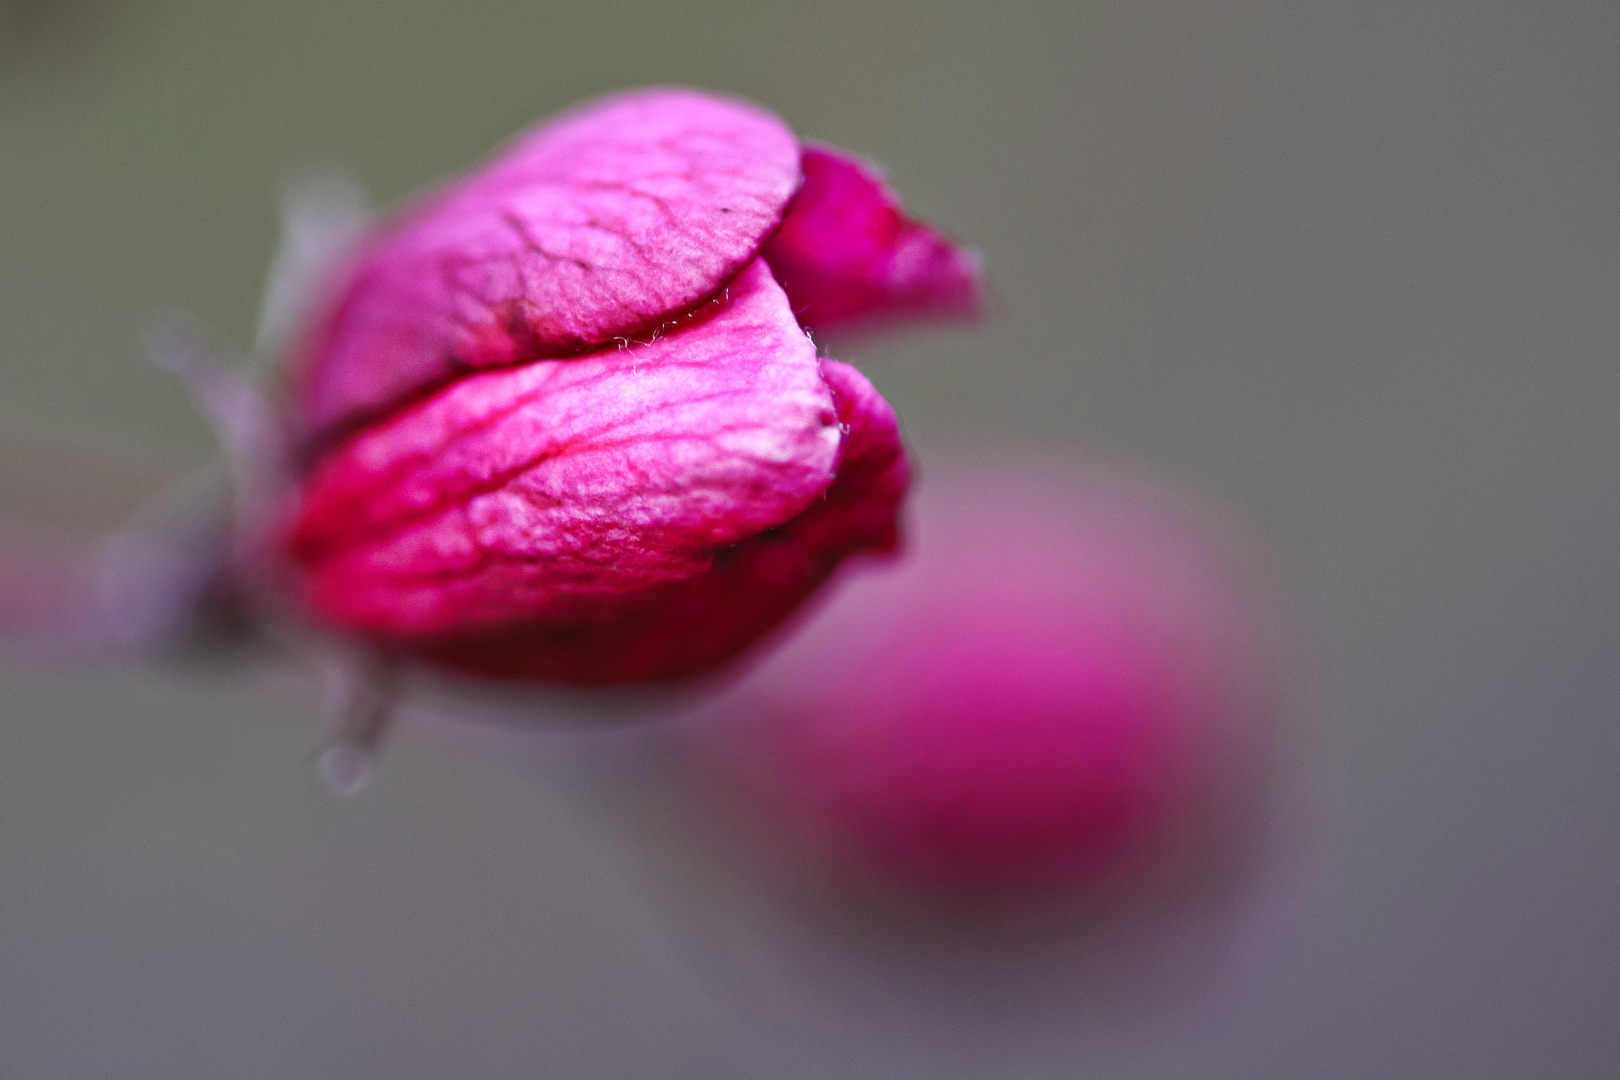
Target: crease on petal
<point>691,627</point>
<point>600,224</point>
<point>554,490</point>
<point>849,256</point>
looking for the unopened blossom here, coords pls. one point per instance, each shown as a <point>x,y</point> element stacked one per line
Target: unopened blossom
<point>560,420</point>
<point>1071,684</point>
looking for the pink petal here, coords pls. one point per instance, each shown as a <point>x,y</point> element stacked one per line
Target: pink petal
<point>692,626</point>
<point>554,493</point>
<point>600,224</point>
<point>847,254</point>
<point>858,511</point>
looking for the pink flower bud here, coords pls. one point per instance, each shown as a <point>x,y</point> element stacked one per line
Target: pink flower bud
<point>558,420</point>
<point>1071,684</point>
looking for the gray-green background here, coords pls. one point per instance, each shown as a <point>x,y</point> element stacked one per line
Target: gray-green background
<point>1354,268</point>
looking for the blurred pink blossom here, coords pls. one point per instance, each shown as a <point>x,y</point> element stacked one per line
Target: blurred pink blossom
<point>1072,683</point>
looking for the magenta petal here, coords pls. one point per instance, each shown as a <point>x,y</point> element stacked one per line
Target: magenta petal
<point>601,224</point>
<point>847,253</point>
<point>692,626</point>
<point>556,490</point>
<point>858,512</point>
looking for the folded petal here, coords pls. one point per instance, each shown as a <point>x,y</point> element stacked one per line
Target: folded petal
<point>690,627</point>
<point>554,490</point>
<point>604,223</point>
<point>847,254</point>
<point>859,510</point>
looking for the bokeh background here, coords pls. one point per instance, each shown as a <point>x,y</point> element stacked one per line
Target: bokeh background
<point>1352,268</point>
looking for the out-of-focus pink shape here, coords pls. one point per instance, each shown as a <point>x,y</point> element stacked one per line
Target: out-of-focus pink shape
<point>601,224</point>
<point>67,595</point>
<point>634,514</point>
<point>50,596</point>
<point>848,255</point>
<point>1070,684</point>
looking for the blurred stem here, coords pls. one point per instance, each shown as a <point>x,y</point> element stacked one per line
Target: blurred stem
<point>366,691</point>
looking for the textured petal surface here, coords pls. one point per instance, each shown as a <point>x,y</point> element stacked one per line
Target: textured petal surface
<point>847,254</point>
<point>692,626</point>
<point>600,224</point>
<point>554,490</point>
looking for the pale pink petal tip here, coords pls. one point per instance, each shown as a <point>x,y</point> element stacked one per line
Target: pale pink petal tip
<point>849,257</point>
<point>597,225</point>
